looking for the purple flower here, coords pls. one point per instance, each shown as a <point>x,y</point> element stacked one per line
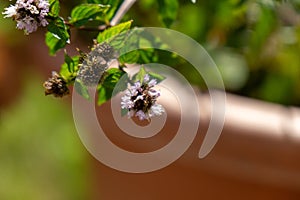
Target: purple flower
<point>29,14</point>
<point>126,102</point>
<point>141,115</point>
<point>152,83</point>
<point>140,99</point>
<point>156,109</point>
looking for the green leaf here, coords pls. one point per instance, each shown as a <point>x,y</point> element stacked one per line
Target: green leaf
<point>81,89</point>
<point>130,57</point>
<point>95,1</point>
<point>70,63</point>
<point>57,36</point>
<point>59,29</point>
<point>114,4</point>
<point>53,43</point>
<point>142,72</point>
<point>54,8</point>
<point>70,67</point>
<point>109,33</point>
<point>113,7</point>
<point>124,112</point>
<point>148,56</point>
<point>168,11</point>
<point>83,13</point>
<point>159,78</point>
<point>108,87</point>
<point>140,75</point>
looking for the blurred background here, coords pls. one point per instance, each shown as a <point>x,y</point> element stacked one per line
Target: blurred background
<point>255,44</point>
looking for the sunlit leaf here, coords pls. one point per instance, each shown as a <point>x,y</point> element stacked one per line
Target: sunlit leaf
<point>53,43</point>
<point>83,13</point>
<point>54,8</point>
<point>158,77</point>
<point>113,31</point>
<point>140,75</point>
<point>130,57</point>
<point>113,7</point>
<point>57,36</point>
<point>58,28</point>
<point>69,68</point>
<point>70,63</point>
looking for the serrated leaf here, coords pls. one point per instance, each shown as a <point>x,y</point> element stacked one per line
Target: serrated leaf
<point>140,75</point>
<point>81,89</point>
<point>114,4</point>
<point>147,56</point>
<point>54,8</point>
<point>111,11</point>
<point>70,63</point>
<point>57,36</point>
<point>142,72</point>
<point>53,43</point>
<point>109,33</point>
<point>103,95</point>
<point>59,29</point>
<point>168,11</point>
<point>83,13</point>
<point>159,78</point>
<point>108,87</point>
<point>130,57</point>
<point>69,68</point>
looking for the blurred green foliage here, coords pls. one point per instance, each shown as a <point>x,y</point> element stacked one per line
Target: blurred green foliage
<point>41,156</point>
<point>255,43</point>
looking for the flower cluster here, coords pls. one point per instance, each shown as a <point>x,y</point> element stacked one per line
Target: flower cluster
<point>29,14</point>
<point>140,99</point>
<point>95,64</point>
<point>56,85</point>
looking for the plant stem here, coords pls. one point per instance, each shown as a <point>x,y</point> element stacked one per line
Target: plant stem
<point>126,5</point>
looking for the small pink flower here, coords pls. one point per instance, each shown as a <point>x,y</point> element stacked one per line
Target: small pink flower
<point>140,99</point>
<point>29,14</point>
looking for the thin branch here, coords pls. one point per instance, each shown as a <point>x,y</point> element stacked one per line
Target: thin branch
<point>126,5</point>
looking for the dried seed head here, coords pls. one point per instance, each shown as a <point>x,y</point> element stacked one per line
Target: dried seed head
<point>56,85</point>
